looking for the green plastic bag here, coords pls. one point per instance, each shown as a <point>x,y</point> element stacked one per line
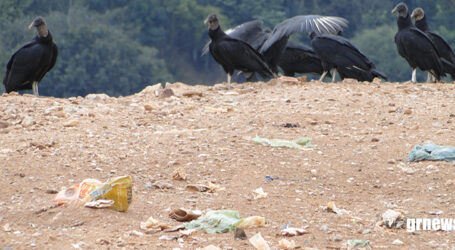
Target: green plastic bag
<point>216,221</point>
<point>300,143</point>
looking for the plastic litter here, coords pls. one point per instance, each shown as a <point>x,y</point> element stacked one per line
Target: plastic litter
<point>303,143</point>
<point>352,244</point>
<point>331,207</point>
<point>118,189</point>
<point>223,221</point>
<point>293,231</point>
<point>286,244</point>
<point>181,214</point>
<point>259,243</point>
<point>259,193</point>
<point>393,219</point>
<point>99,204</point>
<point>432,152</point>
<point>252,222</point>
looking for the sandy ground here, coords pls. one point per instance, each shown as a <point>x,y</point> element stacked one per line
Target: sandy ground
<point>363,134</point>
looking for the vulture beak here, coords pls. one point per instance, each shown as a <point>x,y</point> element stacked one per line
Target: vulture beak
<point>31,25</point>
<point>413,15</point>
<point>206,20</point>
<point>394,10</point>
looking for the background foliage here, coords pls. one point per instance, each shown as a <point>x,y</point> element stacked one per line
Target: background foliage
<point>120,46</point>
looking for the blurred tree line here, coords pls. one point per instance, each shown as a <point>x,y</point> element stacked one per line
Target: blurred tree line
<point>120,46</point>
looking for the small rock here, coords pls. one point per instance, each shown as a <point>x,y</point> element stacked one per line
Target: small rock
<point>71,123</point>
<point>28,121</point>
<point>240,234</point>
<point>97,97</point>
<point>407,111</point>
<point>397,242</point>
<point>324,228</point>
<point>149,107</point>
<point>436,124</point>
<point>337,238</point>
<point>366,231</point>
<point>3,124</point>
<point>192,93</point>
<point>167,93</point>
<point>375,139</point>
<point>314,171</point>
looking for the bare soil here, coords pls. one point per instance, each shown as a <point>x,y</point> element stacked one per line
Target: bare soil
<point>363,134</point>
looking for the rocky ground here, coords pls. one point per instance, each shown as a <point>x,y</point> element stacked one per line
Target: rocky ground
<point>363,134</point>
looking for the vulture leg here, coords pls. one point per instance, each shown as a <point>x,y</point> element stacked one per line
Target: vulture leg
<point>429,77</point>
<point>229,81</point>
<point>35,88</point>
<point>413,79</point>
<point>334,74</point>
<point>323,75</point>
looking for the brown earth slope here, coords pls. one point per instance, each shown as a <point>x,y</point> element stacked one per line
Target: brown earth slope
<point>363,134</point>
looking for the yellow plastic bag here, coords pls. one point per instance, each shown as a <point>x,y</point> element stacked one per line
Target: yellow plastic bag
<point>118,189</point>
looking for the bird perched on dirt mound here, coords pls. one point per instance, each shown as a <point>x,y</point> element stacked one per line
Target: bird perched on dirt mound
<point>415,46</point>
<point>234,54</point>
<point>31,62</point>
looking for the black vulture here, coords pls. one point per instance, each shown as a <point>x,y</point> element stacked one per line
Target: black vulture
<point>340,54</point>
<point>445,52</point>
<point>234,54</point>
<point>274,46</point>
<point>295,58</point>
<point>31,62</point>
<point>250,32</point>
<point>415,46</point>
<point>299,58</point>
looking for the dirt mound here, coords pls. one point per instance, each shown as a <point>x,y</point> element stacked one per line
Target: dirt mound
<point>363,133</point>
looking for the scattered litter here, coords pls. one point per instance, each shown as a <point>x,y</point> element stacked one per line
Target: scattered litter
<point>210,187</point>
<point>352,244</point>
<point>197,188</point>
<point>175,229</point>
<point>7,227</point>
<point>293,231</point>
<point>303,143</point>
<point>239,234</point>
<point>397,242</point>
<point>214,187</point>
<point>135,233</point>
<point>223,221</point>
<point>252,222</point>
<point>99,203</point>
<point>259,193</point>
<point>179,174</point>
<point>167,237</point>
<point>331,207</point>
<point>182,214</point>
<point>152,223</point>
<point>159,185</point>
<point>393,219</point>
<point>432,152</point>
<point>286,244</point>
<point>289,125</point>
<point>209,247</point>
<point>119,190</point>
<point>269,178</point>
<point>436,212</point>
<point>259,243</point>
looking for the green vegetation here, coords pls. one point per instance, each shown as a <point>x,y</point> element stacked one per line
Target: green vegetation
<point>120,46</point>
